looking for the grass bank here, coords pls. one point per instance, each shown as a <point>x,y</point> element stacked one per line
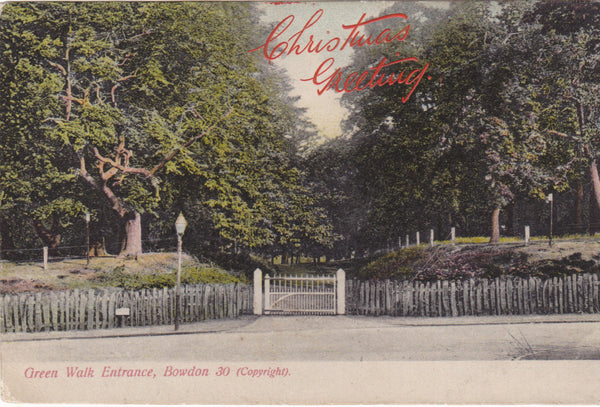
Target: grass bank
<point>463,261</point>
<point>151,270</point>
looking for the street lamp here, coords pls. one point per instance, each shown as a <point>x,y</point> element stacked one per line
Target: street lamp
<point>180,225</point>
<point>550,199</point>
<point>87,239</point>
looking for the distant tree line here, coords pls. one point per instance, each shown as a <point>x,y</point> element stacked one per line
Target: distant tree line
<point>511,114</point>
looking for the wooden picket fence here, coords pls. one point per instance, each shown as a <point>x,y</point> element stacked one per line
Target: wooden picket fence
<point>97,308</point>
<point>501,296</point>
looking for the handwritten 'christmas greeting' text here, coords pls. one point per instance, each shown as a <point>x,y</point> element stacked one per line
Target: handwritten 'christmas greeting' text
<point>326,76</point>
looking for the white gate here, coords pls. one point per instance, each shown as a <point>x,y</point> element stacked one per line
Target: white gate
<point>300,294</point>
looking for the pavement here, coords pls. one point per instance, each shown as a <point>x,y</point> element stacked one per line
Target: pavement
<point>257,324</point>
<point>342,360</point>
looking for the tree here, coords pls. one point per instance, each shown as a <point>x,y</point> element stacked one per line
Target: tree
<point>497,124</point>
<point>33,178</point>
<point>564,69</point>
<point>158,105</point>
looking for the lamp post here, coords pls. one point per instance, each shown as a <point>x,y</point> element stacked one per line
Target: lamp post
<point>550,199</point>
<point>180,225</point>
<point>87,238</point>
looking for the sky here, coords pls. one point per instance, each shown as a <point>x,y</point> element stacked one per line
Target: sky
<point>323,110</point>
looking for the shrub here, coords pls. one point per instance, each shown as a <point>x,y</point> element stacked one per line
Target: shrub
<point>451,263</point>
<point>445,264</point>
<point>119,277</point>
<point>396,265</point>
<point>242,264</point>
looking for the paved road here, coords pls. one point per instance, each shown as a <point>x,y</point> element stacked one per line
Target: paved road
<point>340,338</point>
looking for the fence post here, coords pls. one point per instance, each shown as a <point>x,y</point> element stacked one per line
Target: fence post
<point>453,234</point>
<point>418,239</point>
<point>407,240</point>
<point>431,237</point>
<point>340,276</point>
<point>45,257</point>
<point>267,301</point>
<point>526,234</point>
<point>399,242</point>
<point>257,306</point>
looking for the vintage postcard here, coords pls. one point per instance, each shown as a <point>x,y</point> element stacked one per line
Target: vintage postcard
<point>336,202</point>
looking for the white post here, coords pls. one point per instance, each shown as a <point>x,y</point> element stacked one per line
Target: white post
<point>399,242</point>
<point>267,292</point>
<point>407,240</point>
<point>431,237</point>
<point>418,239</point>
<point>341,291</point>
<point>45,257</point>
<point>453,234</point>
<point>526,234</point>
<point>257,306</point>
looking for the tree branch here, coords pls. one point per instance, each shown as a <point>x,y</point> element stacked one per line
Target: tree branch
<point>121,163</point>
<point>117,166</point>
<point>59,67</point>
<point>84,174</point>
<point>108,193</point>
<point>124,78</point>
<point>563,135</point>
<point>135,37</point>
<point>508,37</point>
<point>188,143</point>
<point>112,93</point>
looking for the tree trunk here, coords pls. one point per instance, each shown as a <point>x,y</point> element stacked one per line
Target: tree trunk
<point>595,182</point>
<point>579,208</point>
<point>131,246</point>
<point>7,244</point>
<point>97,248</point>
<point>49,237</point>
<point>495,238</point>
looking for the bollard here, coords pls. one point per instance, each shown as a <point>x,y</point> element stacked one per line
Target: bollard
<point>418,239</point>
<point>45,257</point>
<point>453,234</point>
<point>431,237</point>
<point>526,234</point>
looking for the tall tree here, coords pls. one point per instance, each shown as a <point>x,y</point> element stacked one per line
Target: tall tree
<point>159,104</point>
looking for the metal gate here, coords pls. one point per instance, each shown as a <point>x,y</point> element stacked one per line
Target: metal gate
<point>301,294</point>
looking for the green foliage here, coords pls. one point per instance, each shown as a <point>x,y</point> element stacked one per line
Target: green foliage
<point>152,108</point>
<point>398,265</point>
<point>240,264</point>
<point>119,277</point>
<point>507,116</point>
<point>572,264</point>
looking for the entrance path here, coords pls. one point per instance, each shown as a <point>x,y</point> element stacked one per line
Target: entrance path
<point>327,338</point>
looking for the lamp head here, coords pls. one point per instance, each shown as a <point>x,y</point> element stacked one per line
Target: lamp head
<point>180,224</point>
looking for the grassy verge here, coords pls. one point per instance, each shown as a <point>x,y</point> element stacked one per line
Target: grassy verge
<point>152,270</point>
